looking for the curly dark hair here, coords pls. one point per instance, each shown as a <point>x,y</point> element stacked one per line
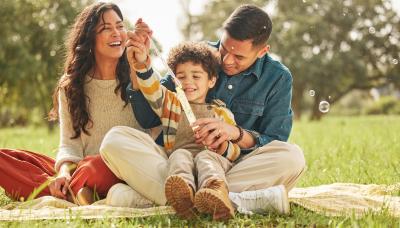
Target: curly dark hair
<point>80,61</point>
<point>198,53</point>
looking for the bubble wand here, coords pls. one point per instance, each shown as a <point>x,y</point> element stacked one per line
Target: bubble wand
<point>178,86</point>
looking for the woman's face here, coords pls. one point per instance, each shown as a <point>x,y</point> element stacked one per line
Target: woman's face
<point>110,36</point>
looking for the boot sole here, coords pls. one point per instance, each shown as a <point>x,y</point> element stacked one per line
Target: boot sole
<point>179,196</point>
<point>206,201</point>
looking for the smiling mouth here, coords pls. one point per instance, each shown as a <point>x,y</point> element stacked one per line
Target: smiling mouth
<point>189,90</point>
<point>115,44</point>
<point>229,67</point>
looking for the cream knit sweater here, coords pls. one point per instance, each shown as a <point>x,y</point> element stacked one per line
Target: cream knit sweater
<point>106,110</point>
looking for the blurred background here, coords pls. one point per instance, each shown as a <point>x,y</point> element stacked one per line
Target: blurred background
<point>343,54</point>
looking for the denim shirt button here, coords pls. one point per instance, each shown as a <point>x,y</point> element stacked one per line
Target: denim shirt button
<point>230,86</point>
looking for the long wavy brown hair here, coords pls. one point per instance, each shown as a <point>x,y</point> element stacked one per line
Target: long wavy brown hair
<point>80,61</point>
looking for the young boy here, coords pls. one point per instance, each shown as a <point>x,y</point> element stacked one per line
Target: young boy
<point>196,67</point>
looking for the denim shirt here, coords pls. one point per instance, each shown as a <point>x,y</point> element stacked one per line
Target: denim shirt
<point>260,99</point>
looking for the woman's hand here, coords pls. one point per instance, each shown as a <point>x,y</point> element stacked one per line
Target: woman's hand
<point>138,43</point>
<point>213,132</point>
<point>59,185</point>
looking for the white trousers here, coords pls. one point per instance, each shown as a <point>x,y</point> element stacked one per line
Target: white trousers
<point>134,157</point>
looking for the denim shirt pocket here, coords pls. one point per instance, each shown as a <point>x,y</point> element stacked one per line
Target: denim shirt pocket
<point>247,111</point>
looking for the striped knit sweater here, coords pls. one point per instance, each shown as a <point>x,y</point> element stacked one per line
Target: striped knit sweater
<point>167,106</point>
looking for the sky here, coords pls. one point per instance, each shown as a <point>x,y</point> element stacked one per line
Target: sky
<point>163,16</point>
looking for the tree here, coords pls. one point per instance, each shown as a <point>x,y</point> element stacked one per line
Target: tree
<point>331,47</point>
<point>31,54</point>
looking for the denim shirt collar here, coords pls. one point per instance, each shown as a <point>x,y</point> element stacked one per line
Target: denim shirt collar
<point>255,69</point>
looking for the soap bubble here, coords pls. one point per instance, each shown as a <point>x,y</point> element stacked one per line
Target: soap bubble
<point>312,93</point>
<point>371,30</point>
<point>324,106</point>
<point>395,61</point>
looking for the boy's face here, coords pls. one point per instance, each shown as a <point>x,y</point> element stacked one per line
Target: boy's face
<point>195,81</point>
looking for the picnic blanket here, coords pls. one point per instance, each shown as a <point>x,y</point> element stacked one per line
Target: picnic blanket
<point>338,199</point>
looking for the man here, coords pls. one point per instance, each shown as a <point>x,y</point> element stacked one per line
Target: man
<point>257,89</point>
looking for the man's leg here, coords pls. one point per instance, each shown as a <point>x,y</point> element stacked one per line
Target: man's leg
<point>277,163</point>
<point>134,157</point>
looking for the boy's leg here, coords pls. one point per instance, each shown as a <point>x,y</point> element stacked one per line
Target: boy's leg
<point>181,163</point>
<point>22,171</point>
<point>211,166</point>
<point>213,198</point>
<point>277,163</point>
<point>135,158</point>
<point>180,184</point>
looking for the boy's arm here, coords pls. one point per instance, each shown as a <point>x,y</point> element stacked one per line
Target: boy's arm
<point>145,116</point>
<point>151,88</point>
<point>229,150</point>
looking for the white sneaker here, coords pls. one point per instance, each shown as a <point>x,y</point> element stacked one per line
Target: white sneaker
<point>122,195</point>
<point>260,201</point>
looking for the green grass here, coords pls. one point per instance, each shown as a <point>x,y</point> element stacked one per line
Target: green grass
<point>337,149</point>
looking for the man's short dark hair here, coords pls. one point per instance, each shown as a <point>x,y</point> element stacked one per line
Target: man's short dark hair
<point>249,22</point>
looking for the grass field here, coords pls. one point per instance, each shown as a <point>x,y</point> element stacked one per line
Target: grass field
<point>337,149</point>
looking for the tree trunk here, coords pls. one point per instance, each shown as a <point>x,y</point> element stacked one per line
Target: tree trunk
<point>316,114</point>
<point>297,103</point>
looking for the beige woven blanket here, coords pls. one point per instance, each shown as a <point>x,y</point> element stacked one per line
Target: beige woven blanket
<point>339,199</point>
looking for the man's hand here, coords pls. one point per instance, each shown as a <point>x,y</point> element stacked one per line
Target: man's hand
<point>213,132</point>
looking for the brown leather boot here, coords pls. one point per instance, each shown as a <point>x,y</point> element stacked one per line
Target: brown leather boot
<point>213,199</point>
<point>180,196</point>
<point>85,196</point>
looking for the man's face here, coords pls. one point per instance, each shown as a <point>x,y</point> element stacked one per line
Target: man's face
<point>238,56</point>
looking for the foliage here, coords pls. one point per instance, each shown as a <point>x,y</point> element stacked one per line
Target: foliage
<point>385,105</point>
<point>31,54</point>
<point>332,47</point>
<point>353,149</point>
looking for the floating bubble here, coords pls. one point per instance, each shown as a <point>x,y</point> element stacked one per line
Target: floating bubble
<point>395,61</point>
<point>312,93</point>
<point>371,30</point>
<point>329,97</point>
<point>324,106</point>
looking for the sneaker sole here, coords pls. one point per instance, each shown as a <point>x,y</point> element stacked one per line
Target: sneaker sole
<point>179,196</point>
<point>207,202</point>
<point>285,203</point>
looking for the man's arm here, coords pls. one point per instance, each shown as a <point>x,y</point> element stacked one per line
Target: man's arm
<point>277,119</point>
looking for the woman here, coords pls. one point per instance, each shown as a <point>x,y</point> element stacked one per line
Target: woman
<point>90,98</point>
